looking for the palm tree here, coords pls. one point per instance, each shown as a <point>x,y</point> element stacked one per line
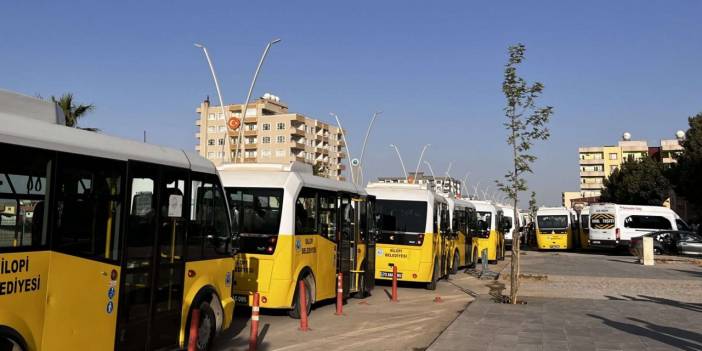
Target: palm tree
<point>71,111</point>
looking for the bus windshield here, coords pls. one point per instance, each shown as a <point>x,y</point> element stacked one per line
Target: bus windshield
<point>255,210</point>
<point>552,222</point>
<point>485,217</point>
<point>402,216</point>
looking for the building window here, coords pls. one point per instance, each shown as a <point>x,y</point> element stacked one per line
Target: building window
<point>221,116</point>
<point>251,140</point>
<point>280,153</point>
<point>250,154</point>
<point>280,126</point>
<point>210,142</point>
<point>266,153</point>
<point>222,129</point>
<point>211,117</point>
<point>251,126</point>
<point>233,140</point>
<point>210,155</point>
<point>280,139</point>
<point>613,156</point>
<point>211,129</point>
<point>266,126</point>
<point>266,140</point>
<point>220,141</point>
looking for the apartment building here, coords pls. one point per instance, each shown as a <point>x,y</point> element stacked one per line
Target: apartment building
<point>271,134</point>
<point>598,162</point>
<point>447,186</point>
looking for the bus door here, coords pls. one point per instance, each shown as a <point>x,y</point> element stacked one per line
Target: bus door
<point>370,232</point>
<point>152,293</point>
<point>346,244</point>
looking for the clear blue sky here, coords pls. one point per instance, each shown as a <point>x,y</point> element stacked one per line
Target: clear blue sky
<point>435,68</point>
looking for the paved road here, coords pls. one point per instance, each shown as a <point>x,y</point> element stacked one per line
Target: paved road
<point>587,302</point>
<point>371,324</point>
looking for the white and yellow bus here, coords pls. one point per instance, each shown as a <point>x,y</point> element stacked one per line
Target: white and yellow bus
<point>295,226</point>
<point>489,234</point>
<point>108,243</point>
<point>584,228</point>
<point>463,220</point>
<point>554,228</point>
<point>413,227</point>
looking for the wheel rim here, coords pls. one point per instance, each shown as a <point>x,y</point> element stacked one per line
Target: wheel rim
<point>204,333</point>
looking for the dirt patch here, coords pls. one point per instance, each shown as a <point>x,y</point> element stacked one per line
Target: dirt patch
<point>527,276</point>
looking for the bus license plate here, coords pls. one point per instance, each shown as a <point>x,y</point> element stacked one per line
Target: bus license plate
<point>595,241</point>
<point>555,246</point>
<point>389,275</point>
<point>242,299</point>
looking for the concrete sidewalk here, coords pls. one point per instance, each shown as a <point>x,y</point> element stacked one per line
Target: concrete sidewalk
<point>586,302</point>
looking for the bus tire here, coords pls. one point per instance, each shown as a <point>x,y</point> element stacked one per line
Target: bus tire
<point>11,340</point>
<point>502,252</point>
<point>208,327</point>
<point>456,262</point>
<point>434,276</point>
<point>295,312</point>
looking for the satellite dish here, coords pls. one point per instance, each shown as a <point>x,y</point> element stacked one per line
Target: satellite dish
<point>355,162</point>
<point>626,136</point>
<point>680,135</point>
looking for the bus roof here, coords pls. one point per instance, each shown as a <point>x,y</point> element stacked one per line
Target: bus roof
<point>407,192</point>
<point>460,203</point>
<point>552,211</point>
<point>268,175</point>
<point>29,127</point>
<point>483,206</point>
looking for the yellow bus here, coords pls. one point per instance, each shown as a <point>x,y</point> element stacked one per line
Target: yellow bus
<point>295,226</point>
<point>489,234</point>
<point>554,228</point>
<point>463,220</point>
<point>413,227</point>
<point>106,243</point>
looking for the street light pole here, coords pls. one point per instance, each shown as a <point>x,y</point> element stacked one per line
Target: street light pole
<point>248,97</point>
<point>343,136</point>
<point>365,140</point>
<point>219,92</point>
<point>401,162</point>
<point>420,161</point>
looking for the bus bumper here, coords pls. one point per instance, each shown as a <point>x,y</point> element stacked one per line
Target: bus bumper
<point>607,244</point>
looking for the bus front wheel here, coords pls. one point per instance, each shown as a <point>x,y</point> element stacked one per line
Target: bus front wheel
<point>207,327</point>
<point>434,276</point>
<point>11,340</point>
<point>454,267</point>
<point>295,312</point>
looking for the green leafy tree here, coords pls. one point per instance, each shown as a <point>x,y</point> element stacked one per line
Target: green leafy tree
<point>526,123</point>
<point>686,174</point>
<point>637,182</point>
<point>72,111</point>
<point>532,205</point>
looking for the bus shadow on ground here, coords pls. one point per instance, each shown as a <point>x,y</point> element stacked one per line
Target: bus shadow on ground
<point>675,337</point>
<point>694,307</point>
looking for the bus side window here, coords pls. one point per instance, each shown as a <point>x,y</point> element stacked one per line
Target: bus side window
<point>328,215</point>
<point>23,194</point>
<point>435,218</point>
<point>208,236</point>
<point>306,212</point>
<point>88,206</point>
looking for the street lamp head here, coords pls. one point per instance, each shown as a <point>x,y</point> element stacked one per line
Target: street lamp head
<point>392,145</point>
<point>275,41</point>
<point>198,45</point>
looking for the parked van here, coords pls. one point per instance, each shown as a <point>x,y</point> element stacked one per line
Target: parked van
<point>508,214</point>
<point>613,225</point>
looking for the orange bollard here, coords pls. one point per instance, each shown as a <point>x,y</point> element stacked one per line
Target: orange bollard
<point>253,337</point>
<point>303,307</point>
<point>339,294</point>
<point>394,283</point>
<point>194,326</point>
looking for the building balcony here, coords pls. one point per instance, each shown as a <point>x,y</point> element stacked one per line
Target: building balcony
<point>250,160</point>
<point>296,131</point>
<point>591,186</point>
<point>198,122</point>
<point>251,146</point>
<point>250,133</point>
<point>592,162</point>
<point>592,173</point>
<point>296,145</point>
